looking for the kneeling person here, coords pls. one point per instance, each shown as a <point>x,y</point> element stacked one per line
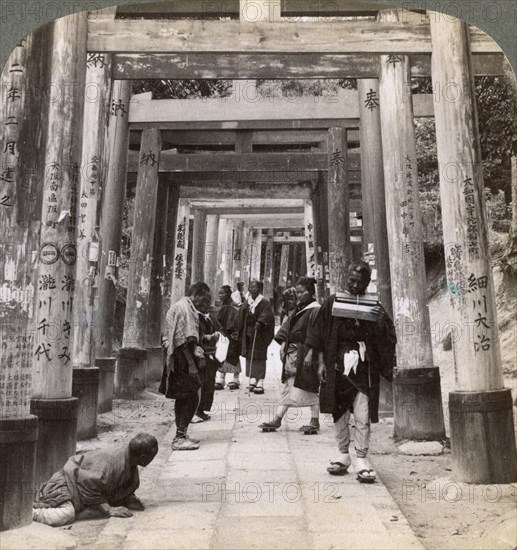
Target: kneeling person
<point>95,483</point>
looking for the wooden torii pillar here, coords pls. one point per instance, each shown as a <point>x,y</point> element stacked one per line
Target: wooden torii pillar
<point>228,255</point>
<point>268,266</point>
<point>310,240</point>
<point>256,254</point>
<point>375,230</point>
<point>170,243</point>
<point>238,241</point>
<point>130,373</point>
<point>211,252</point>
<point>418,410</point>
<point>179,266</point>
<point>247,241</point>
<point>482,426</point>
<point>294,264</point>
<point>112,212</point>
<point>284,266</point>
<point>221,253</point>
<point>290,259</point>
<point>303,260</point>
<point>312,246</point>
<point>338,220</point>
<point>322,237</point>
<point>198,245</point>
<point>20,193</point>
<point>85,385</point>
<point>52,366</point>
<point>159,262</point>
<point>375,234</point>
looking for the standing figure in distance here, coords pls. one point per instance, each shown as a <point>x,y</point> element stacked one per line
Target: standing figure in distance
<point>288,303</point>
<point>238,294</point>
<point>228,316</point>
<point>256,329</point>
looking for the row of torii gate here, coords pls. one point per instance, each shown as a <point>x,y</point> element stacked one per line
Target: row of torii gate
<point>69,137</point>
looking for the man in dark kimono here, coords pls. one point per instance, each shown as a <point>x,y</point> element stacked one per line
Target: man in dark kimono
<point>228,316</point>
<point>180,378</point>
<point>209,331</point>
<point>352,355</point>
<point>256,330</point>
<point>95,483</point>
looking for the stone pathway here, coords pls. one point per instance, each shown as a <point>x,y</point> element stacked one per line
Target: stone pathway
<point>248,489</point>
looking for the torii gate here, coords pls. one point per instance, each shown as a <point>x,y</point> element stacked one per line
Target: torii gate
<point>50,274</point>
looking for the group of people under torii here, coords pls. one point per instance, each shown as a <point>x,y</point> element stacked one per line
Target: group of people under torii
<point>330,363</point>
<point>192,371</point>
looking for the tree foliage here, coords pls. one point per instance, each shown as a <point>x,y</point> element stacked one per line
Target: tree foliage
<point>496,99</point>
<point>497,114</point>
<point>183,89</point>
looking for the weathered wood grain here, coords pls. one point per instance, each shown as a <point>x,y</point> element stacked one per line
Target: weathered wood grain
<point>275,65</point>
<point>114,195</point>
<point>134,36</point>
<point>142,237</point>
<point>298,163</point>
<point>235,109</point>
<point>464,219</point>
<point>52,375</point>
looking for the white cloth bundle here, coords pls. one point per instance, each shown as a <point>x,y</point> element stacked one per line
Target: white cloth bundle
<point>221,348</point>
<point>351,358</point>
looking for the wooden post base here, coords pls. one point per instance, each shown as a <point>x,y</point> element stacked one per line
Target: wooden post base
<point>57,435</point>
<point>130,372</point>
<point>85,386</point>
<point>18,437</point>
<point>154,365</point>
<point>385,398</point>
<point>417,400</point>
<point>106,367</point>
<point>483,437</point>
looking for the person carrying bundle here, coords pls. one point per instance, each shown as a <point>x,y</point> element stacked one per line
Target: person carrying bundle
<point>355,343</point>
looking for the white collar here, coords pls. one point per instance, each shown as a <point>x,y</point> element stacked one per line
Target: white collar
<point>312,305</point>
<point>253,303</point>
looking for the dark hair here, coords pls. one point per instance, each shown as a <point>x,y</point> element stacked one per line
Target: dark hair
<point>198,288</point>
<point>289,292</point>
<point>260,284</point>
<point>227,288</point>
<point>240,284</point>
<point>142,443</point>
<point>360,266</point>
<point>308,283</point>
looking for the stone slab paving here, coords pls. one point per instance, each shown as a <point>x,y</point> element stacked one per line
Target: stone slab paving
<point>247,489</point>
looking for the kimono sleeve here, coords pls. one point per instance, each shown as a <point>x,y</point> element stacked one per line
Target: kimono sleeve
<point>267,318</point>
<point>283,332</point>
<point>218,327</point>
<point>319,326</point>
<point>265,315</point>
